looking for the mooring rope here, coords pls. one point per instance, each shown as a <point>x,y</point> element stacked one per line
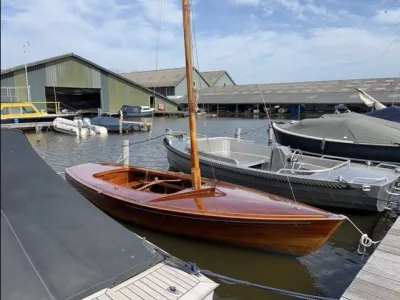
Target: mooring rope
<point>192,269</point>
<point>365,241</point>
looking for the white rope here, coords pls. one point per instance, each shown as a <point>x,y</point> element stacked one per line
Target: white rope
<point>119,158</point>
<point>365,241</point>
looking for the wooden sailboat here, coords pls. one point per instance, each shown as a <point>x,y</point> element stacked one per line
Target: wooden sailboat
<point>202,208</point>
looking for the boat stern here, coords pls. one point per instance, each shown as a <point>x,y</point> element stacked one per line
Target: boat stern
<point>389,195</point>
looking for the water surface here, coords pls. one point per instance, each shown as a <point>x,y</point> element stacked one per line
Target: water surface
<point>327,272</point>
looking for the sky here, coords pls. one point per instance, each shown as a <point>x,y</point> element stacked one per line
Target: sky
<point>256,41</point>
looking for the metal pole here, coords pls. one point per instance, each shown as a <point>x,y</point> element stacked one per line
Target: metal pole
<point>26,74</point>
<point>125,152</point>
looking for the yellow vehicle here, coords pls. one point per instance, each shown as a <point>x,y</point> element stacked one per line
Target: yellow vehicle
<point>26,112</point>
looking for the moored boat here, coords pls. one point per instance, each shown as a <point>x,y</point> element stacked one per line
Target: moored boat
<point>219,211</point>
<point>129,111</point>
<point>27,112</point>
<point>110,123</point>
<point>72,127</point>
<point>198,207</point>
<point>322,181</point>
<point>391,113</point>
<point>351,135</point>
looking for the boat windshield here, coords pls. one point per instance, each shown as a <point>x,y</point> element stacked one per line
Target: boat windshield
<point>5,111</point>
<point>28,110</point>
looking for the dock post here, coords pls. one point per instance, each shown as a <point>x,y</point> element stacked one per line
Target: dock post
<point>79,129</point>
<point>238,133</point>
<point>37,130</point>
<point>120,121</point>
<point>99,112</point>
<point>270,134</point>
<point>298,112</point>
<point>125,152</point>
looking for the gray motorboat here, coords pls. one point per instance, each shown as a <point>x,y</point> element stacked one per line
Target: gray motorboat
<point>323,181</point>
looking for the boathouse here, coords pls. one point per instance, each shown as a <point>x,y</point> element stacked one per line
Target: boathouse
<point>79,84</point>
<point>318,96</point>
<point>172,82</point>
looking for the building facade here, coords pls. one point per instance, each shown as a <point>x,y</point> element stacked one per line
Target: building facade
<point>218,78</point>
<point>318,96</point>
<point>168,82</point>
<point>78,83</point>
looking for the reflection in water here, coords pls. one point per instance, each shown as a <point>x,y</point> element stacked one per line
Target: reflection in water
<point>328,271</point>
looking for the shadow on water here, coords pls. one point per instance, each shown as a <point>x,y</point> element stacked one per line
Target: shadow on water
<point>328,271</point>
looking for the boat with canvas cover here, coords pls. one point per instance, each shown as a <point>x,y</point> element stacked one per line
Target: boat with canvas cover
<point>55,245</point>
<point>352,135</point>
<point>391,113</point>
<point>130,111</point>
<point>322,181</point>
<point>112,124</point>
<point>198,207</point>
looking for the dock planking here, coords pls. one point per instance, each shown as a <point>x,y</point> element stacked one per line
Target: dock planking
<point>379,279</point>
<point>26,125</point>
<point>154,284</point>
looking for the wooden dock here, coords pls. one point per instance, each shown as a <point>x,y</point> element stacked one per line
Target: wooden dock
<point>180,114</point>
<point>27,125</point>
<point>379,279</point>
<point>160,282</point>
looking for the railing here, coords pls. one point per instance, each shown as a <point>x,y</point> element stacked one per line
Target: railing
<point>369,178</point>
<point>383,165</point>
<point>316,171</point>
<point>14,94</point>
<point>57,105</point>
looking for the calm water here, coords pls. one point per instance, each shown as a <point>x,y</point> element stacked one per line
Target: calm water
<point>327,272</point>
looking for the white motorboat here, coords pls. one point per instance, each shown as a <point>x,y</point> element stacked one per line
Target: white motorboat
<point>70,127</point>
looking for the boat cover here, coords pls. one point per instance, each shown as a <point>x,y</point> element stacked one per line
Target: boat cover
<point>391,113</point>
<point>54,243</point>
<point>351,127</point>
<point>108,122</point>
<point>131,109</point>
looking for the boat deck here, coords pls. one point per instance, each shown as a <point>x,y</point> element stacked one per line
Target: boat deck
<point>379,279</point>
<point>154,284</point>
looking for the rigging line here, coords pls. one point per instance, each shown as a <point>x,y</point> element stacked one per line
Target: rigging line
<point>386,51</point>
<point>262,97</point>
<point>26,254</point>
<point>194,44</point>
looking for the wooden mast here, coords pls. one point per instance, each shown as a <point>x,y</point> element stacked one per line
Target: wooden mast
<point>196,176</point>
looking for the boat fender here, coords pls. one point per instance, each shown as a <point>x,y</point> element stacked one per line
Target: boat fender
<point>323,145</point>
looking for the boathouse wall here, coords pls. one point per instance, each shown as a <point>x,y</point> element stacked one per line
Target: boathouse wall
<point>74,72</point>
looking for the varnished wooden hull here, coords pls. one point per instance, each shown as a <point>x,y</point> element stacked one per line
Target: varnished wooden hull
<point>294,237</point>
